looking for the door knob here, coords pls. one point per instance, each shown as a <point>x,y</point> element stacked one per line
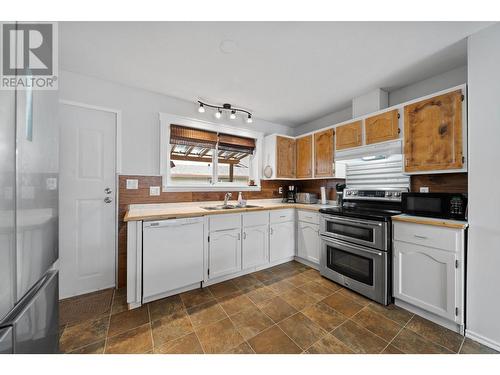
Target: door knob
<point>108,190</point>
<point>108,200</point>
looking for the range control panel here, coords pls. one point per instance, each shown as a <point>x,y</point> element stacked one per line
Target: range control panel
<point>386,195</point>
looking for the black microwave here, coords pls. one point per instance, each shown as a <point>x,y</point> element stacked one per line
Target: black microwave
<point>440,205</point>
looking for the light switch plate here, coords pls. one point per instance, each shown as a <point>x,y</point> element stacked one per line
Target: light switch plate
<point>154,190</point>
<point>132,184</point>
<point>424,189</point>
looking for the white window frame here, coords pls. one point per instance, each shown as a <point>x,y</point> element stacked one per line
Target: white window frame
<point>167,119</point>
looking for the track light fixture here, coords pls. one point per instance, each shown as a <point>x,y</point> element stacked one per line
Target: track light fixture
<point>226,107</point>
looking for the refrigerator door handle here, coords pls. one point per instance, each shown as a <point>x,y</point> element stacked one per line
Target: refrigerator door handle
<point>6,341</point>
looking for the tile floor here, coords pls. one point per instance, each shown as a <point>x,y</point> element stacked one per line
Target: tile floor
<point>289,308</point>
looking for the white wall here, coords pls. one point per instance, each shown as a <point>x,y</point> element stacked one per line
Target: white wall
<point>140,121</point>
<point>453,77</point>
<point>330,119</point>
<point>483,276</point>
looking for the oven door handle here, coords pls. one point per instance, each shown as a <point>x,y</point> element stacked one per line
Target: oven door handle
<point>353,221</point>
<point>359,248</point>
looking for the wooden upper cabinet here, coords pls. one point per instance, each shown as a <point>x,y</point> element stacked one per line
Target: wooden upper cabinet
<point>383,127</point>
<point>323,153</point>
<point>285,157</point>
<point>348,136</point>
<point>433,133</point>
<point>304,157</point>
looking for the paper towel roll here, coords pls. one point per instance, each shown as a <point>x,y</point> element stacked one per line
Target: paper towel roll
<point>323,195</point>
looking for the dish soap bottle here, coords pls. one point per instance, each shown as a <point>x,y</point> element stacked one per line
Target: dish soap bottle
<point>240,199</point>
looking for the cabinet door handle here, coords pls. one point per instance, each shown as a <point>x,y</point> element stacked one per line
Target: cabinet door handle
<point>244,235</point>
<point>271,231</point>
<point>421,237</point>
<point>239,236</point>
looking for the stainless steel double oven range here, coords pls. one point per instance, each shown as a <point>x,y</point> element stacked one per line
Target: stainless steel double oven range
<point>356,241</point>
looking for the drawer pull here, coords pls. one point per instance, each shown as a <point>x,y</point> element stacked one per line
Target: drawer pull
<point>420,237</point>
<point>282,216</point>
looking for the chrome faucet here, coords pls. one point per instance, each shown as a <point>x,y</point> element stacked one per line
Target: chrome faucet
<point>227,197</point>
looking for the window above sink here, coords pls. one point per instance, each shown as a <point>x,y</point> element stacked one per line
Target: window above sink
<point>196,155</point>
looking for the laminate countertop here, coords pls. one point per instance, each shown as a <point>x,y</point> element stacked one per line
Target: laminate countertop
<point>162,211</point>
<point>457,224</point>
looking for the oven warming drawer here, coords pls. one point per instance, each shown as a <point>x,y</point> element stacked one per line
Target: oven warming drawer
<point>361,269</point>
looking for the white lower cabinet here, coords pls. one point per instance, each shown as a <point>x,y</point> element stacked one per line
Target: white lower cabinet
<point>255,246</point>
<point>224,252</point>
<point>282,240</point>
<point>308,241</point>
<point>427,277</point>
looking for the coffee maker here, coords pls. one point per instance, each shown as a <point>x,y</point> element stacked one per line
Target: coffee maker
<point>340,193</point>
<point>289,194</point>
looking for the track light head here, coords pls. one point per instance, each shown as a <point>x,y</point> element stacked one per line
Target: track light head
<point>201,108</point>
<point>232,116</point>
<point>218,114</point>
<point>249,119</point>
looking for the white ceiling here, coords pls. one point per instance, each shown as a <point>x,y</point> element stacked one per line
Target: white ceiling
<point>285,72</point>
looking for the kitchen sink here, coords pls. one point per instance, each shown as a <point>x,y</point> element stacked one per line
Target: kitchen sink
<point>228,207</point>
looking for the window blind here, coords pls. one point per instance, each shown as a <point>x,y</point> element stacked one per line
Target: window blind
<point>183,135</point>
<point>234,143</point>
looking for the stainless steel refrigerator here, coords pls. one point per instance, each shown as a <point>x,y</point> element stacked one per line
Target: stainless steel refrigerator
<point>28,222</point>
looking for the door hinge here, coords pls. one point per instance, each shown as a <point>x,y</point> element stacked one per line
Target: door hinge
<point>456,311</point>
<point>463,159</point>
<point>208,238</point>
<point>399,115</point>
<point>208,272</point>
<point>462,97</point>
<point>456,263</point>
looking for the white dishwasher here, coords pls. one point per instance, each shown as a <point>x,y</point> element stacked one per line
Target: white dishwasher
<point>172,255</point>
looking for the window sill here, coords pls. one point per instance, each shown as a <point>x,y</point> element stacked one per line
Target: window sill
<point>178,189</point>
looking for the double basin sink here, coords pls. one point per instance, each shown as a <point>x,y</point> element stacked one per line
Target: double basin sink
<point>229,207</point>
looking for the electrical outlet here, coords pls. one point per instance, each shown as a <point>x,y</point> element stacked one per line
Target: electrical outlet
<point>154,190</point>
<point>51,183</point>
<point>424,189</point>
<point>132,184</point>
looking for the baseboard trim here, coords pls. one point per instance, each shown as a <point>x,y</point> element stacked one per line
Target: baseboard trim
<point>482,340</point>
<point>171,292</point>
<point>246,271</point>
<point>307,263</point>
<point>430,316</point>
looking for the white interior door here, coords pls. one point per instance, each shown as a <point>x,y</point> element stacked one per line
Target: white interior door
<point>87,199</point>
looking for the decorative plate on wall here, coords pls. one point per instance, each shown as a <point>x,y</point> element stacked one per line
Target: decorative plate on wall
<point>268,171</point>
